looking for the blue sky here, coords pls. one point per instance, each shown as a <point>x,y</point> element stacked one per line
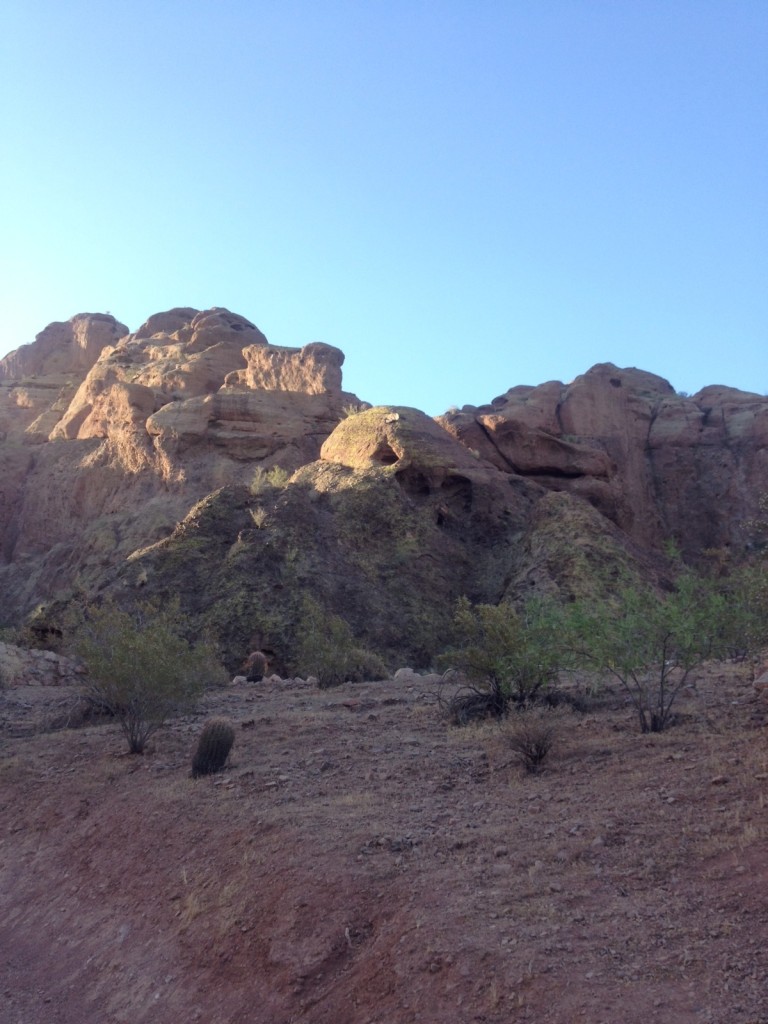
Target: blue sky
<point>463,196</point>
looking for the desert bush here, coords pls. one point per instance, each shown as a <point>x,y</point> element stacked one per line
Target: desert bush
<point>260,517</point>
<point>213,747</point>
<point>743,621</point>
<point>531,739</point>
<point>353,408</point>
<point>327,649</point>
<point>271,479</point>
<point>651,643</point>
<point>507,655</point>
<point>141,669</point>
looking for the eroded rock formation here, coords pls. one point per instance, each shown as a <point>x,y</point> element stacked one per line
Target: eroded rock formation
<point>126,459</point>
<point>661,466</point>
<point>38,380</point>
<point>130,430</point>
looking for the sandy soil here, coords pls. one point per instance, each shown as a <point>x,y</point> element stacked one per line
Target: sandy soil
<point>360,862</point>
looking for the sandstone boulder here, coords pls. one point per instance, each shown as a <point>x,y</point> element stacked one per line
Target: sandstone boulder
<point>397,437</point>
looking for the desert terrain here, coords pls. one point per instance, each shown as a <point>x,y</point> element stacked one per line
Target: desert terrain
<point>361,861</point>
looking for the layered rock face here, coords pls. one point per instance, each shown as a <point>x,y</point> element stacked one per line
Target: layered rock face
<point>207,385</point>
<point>661,466</point>
<point>37,381</point>
<point>125,460</point>
<point>129,430</point>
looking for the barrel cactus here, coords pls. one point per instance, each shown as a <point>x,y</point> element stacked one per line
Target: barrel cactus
<point>213,747</point>
<point>256,667</point>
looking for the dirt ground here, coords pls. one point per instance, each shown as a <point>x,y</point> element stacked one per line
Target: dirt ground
<point>361,862</point>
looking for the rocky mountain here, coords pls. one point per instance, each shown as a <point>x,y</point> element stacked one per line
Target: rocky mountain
<point>147,464</point>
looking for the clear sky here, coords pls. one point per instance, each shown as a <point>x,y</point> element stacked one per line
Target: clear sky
<point>463,195</point>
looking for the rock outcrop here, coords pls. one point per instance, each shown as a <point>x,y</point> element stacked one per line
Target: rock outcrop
<point>126,460</point>
<point>72,346</point>
<point>37,668</point>
<point>141,430</point>
<point>207,386</point>
<point>661,466</point>
<point>37,381</point>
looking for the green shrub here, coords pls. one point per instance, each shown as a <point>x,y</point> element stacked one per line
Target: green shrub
<point>652,643</point>
<point>213,747</point>
<point>271,479</point>
<point>141,669</point>
<point>507,655</point>
<point>327,649</point>
<point>743,621</point>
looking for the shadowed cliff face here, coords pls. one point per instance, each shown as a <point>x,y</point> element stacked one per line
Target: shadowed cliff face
<point>125,462</point>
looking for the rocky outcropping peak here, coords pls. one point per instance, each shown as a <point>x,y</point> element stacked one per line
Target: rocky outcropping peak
<point>70,346</point>
<point>198,329</point>
<point>660,465</point>
<point>150,423</point>
<point>110,438</point>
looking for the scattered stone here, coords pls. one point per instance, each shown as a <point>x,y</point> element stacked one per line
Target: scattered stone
<point>20,666</point>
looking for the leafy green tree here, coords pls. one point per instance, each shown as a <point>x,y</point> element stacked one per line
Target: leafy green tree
<point>743,627</point>
<point>508,655</point>
<point>141,668</point>
<point>651,644</point>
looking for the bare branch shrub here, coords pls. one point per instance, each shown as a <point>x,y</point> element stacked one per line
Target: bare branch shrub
<point>531,738</point>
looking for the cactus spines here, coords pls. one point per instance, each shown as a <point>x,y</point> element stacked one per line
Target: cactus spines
<point>255,666</point>
<point>213,747</point>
